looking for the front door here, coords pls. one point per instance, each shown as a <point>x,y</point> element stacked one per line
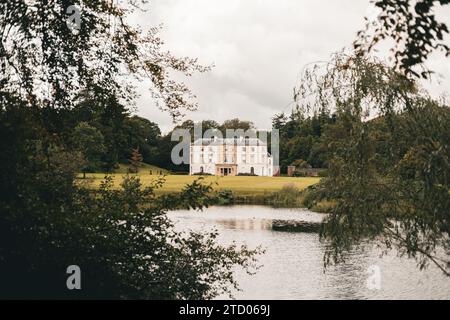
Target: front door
<point>225,171</point>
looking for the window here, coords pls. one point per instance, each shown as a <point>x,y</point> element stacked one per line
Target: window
<point>201,169</point>
<point>252,170</point>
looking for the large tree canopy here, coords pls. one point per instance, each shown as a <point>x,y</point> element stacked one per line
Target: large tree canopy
<point>48,62</point>
<point>63,91</point>
<point>389,157</point>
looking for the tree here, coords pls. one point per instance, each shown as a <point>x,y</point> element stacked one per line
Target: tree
<point>109,115</point>
<point>136,160</point>
<point>389,185</point>
<point>145,135</point>
<point>121,239</point>
<point>301,164</point>
<point>209,124</point>
<point>414,28</point>
<point>91,56</point>
<point>300,136</point>
<point>279,120</point>
<point>90,142</point>
<point>234,124</point>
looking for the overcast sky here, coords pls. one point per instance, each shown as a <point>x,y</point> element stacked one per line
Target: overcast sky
<point>258,48</point>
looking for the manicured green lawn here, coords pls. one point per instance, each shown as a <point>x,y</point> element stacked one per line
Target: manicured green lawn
<point>240,184</point>
<point>143,169</point>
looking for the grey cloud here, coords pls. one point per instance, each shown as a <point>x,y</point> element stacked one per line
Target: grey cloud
<point>258,47</point>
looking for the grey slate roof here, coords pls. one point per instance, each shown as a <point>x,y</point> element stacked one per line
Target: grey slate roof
<point>238,141</point>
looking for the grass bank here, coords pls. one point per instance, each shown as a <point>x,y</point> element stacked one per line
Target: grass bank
<point>240,186</point>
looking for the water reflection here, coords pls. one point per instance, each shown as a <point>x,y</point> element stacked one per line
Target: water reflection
<point>247,224</point>
<point>293,262</point>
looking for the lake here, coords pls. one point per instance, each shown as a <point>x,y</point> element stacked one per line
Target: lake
<point>293,261</point>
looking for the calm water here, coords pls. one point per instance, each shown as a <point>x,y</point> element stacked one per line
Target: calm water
<point>293,265</point>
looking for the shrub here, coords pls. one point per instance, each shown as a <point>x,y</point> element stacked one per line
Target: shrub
<point>225,197</point>
<point>122,240</point>
<point>289,194</point>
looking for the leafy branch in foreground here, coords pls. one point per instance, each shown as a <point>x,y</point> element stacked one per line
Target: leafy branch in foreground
<point>49,65</point>
<point>123,241</point>
<point>389,160</point>
<point>413,26</point>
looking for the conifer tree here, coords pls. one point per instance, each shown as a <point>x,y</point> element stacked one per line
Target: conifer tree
<point>136,160</point>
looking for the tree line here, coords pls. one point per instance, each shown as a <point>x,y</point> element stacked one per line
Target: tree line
<point>107,135</point>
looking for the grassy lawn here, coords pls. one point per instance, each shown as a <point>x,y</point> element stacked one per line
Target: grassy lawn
<point>143,169</point>
<point>241,185</point>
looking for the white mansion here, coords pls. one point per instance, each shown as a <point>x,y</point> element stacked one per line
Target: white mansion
<point>231,156</point>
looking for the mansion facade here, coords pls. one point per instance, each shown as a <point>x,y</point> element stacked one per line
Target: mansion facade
<point>230,157</point>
